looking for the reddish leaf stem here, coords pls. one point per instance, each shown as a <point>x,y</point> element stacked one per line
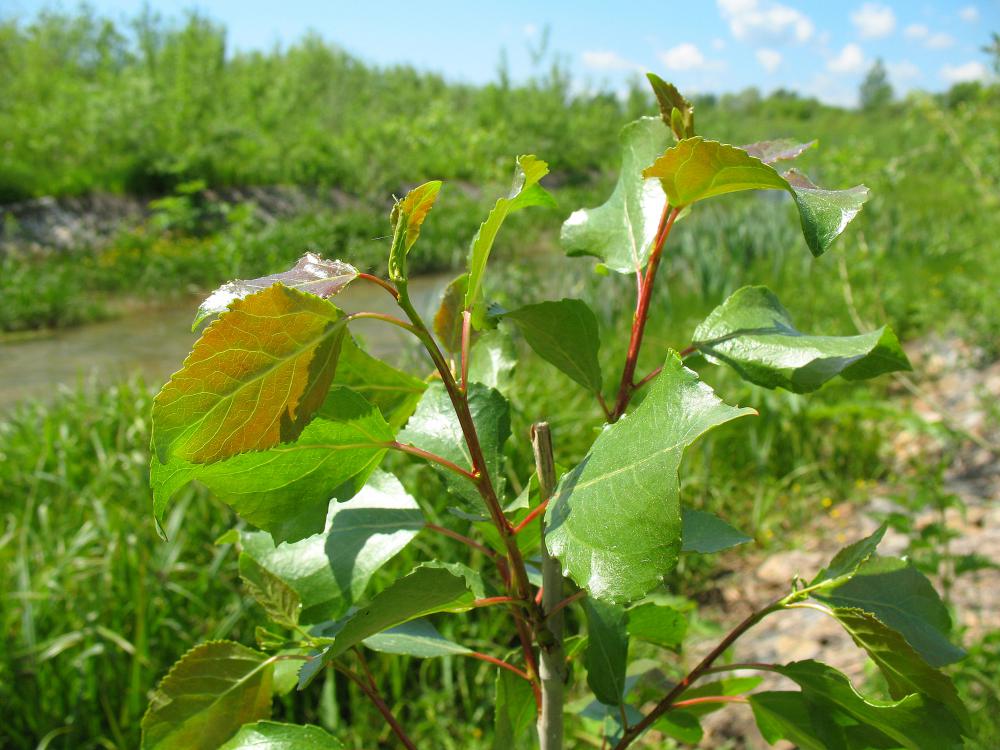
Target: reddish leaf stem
<point>500,663</point>
<point>566,602</point>
<point>684,354</point>
<point>710,699</point>
<point>461,538</point>
<point>385,319</point>
<point>415,451</point>
<point>382,283</point>
<point>669,700</point>
<point>466,340</point>
<point>537,511</point>
<point>491,600</point>
<point>373,695</point>
<point>642,312</point>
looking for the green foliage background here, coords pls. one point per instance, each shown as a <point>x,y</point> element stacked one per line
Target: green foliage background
<point>97,608</point>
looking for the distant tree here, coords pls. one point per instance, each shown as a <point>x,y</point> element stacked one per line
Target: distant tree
<point>993,49</point>
<point>875,90</point>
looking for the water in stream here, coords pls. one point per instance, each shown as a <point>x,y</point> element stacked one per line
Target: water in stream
<point>155,340</point>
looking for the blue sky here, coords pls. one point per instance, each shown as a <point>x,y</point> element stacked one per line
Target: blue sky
<point>816,48</point>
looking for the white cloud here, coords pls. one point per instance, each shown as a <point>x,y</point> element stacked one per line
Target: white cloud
<point>850,60</point>
<point>939,41</point>
<point>684,56</point>
<point>606,60</point>
<point>831,90</point>
<point>970,71</point>
<point>921,33</point>
<point>969,13</point>
<point>718,44</point>
<point>874,21</point>
<point>902,71</point>
<point>763,21</point>
<point>769,59</point>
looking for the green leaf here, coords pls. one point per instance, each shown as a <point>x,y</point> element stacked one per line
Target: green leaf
<point>615,522</point>
<point>253,380</point>
<point>330,571</point>
<point>662,626</point>
<point>417,638</point>
<point>621,232</point>
<point>671,100</point>
<point>514,713</point>
<point>900,596</point>
<point>311,273</point>
<point>696,169</point>
<point>681,725</point>
<point>286,490</point>
<point>831,714</point>
<point>707,533</point>
<point>752,333</point>
<point>406,219</point>
<point>213,690</point>
<point>607,650</point>
<point>394,392</point>
<point>780,149</point>
<point>564,334</point>
<point>272,735</point>
<point>434,427</point>
<point>847,560</point>
<point>492,360</point>
<point>448,318</point>
<point>426,590</point>
<point>524,192</point>
<point>904,670</point>
<point>281,602</point>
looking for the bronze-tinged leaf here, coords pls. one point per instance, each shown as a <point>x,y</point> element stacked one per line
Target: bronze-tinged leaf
<point>448,318</point>
<point>406,219</point>
<point>312,273</point>
<point>676,111</point>
<point>253,380</point>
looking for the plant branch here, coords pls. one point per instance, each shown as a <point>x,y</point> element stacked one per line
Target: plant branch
<point>535,513</point>
<point>491,600</point>
<point>670,699</point>
<point>710,699</point>
<point>626,387</point>
<point>415,451</point>
<point>566,602</point>
<point>684,354</point>
<point>373,695</point>
<point>382,283</point>
<point>385,319</point>
<point>500,663</point>
<point>461,538</point>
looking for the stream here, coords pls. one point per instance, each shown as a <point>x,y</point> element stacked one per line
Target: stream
<point>155,340</point>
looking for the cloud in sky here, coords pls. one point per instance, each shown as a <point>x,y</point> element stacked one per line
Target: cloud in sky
<point>970,71</point>
<point>765,22</point>
<point>902,72</point>
<point>606,60</point>
<point>685,56</point>
<point>850,59</point>
<point>769,59</point>
<point>970,13</point>
<point>874,21</point>
<point>937,40</point>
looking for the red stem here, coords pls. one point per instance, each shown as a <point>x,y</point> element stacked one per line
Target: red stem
<point>466,339</point>
<point>385,318</point>
<point>415,451</point>
<point>531,516</point>
<point>384,284</point>
<point>380,704</point>
<point>566,602</point>
<point>710,699</point>
<point>491,600</point>
<point>499,663</point>
<point>642,312</point>
<point>461,538</point>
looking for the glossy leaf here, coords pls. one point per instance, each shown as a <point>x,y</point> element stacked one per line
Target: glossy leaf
<point>696,169</point>
<point>615,522</point>
<point>330,571</point>
<point>752,333</point>
<point>448,318</point>
<point>435,428</point>
<point>524,192</point>
<point>901,597</point>
<point>606,656</point>
<point>281,602</point>
<point>253,380</point>
<point>417,638</point>
<point>707,533</point>
<point>213,690</point>
<point>659,625</point>
<point>670,99</point>
<point>915,722</point>
<point>514,712</point>
<point>848,559</point>
<point>621,232</point>
<point>564,334</point>
<point>393,391</point>
<point>904,670</point>
<point>312,274</point>
<point>286,490</point>
<point>779,149</point>
<point>426,590</point>
<point>272,735</point>
<point>406,219</point>
<point>493,360</point>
